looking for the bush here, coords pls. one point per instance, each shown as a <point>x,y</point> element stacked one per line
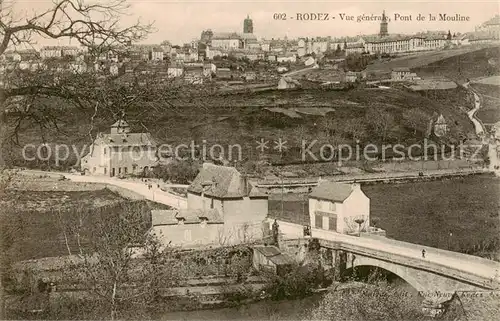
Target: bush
<point>381,302</point>
<point>297,283</point>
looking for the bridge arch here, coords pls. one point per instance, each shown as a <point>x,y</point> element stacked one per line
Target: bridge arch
<point>407,278</point>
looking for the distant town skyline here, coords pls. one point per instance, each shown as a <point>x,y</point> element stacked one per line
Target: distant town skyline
<point>182,22</point>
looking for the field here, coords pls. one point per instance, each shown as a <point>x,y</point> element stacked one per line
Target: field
<point>431,62</point>
<point>467,65</point>
<point>33,217</point>
<point>30,219</point>
<point>243,119</point>
<point>425,212</point>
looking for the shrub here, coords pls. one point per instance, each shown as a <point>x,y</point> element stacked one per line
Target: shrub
<point>381,302</point>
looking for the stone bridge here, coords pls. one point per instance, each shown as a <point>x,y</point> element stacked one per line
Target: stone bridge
<point>436,277</point>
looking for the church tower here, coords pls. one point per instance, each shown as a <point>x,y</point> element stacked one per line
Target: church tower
<point>248,25</point>
<point>383,26</point>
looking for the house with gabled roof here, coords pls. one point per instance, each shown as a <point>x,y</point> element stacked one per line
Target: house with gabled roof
<point>187,227</point>
<point>241,205</point>
<point>339,207</point>
<point>120,152</point>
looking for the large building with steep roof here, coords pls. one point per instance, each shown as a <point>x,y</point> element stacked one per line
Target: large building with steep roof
<point>241,205</point>
<point>120,152</point>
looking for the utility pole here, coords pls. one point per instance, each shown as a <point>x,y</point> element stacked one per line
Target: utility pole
<point>282,193</point>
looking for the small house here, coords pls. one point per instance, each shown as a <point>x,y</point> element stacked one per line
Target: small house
<point>339,207</point>
<point>440,127</point>
<point>224,73</point>
<point>240,203</point>
<point>187,227</point>
<point>288,83</point>
<point>270,258</point>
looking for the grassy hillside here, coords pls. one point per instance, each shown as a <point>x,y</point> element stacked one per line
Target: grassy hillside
<point>490,109</point>
<point>479,63</point>
<point>423,59</point>
<point>243,119</point>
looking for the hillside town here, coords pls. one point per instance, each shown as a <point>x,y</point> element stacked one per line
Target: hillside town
<point>241,56</point>
<point>238,177</point>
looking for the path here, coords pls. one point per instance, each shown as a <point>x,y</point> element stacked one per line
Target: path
<point>136,187</point>
<point>480,129</point>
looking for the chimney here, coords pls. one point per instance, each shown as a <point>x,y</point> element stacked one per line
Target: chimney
<point>244,184</point>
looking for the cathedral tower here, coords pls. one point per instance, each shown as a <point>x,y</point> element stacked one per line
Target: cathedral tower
<point>248,25</point>
<point>383,26</point>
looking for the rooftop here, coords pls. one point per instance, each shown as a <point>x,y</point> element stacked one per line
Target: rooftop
<point>273,254</point>
<point>333,191</point>
<point>126,139</point>
<point>223,182</point>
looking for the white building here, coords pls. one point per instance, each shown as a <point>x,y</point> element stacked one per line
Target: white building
<point>51,52</point>
<point>157,54</point>
<point>120,152</point>
<point>342,208</point>
<point>287,57</point>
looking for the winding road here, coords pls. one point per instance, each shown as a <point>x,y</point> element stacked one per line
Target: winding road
<point>480,130</point>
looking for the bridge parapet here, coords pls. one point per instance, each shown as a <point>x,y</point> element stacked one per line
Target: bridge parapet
<point>467,269</point>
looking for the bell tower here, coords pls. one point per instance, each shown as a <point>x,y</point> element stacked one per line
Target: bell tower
<point>248,25</point>
<point>383,26</point>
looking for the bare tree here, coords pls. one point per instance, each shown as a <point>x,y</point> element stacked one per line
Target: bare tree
<point>92,24</point>
<point>416,119</point>
<point>381,121</point>
<point>355,127</point>
<point>121,263</point>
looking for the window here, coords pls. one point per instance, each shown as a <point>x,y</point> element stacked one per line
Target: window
<point>333,206</point>
<point>119,170</point>
<point>125,170</point>
<point>319,221</point>
<point>105,149</point>
<point>105,170</point>
<point>187,235</point>
<point>93,170</point>
<point>212,203</point>
<point>332,223</point>
<point>320,205</point>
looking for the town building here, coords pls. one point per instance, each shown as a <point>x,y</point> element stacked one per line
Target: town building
<point>491,27</point>
<point>188,227</point>
<point>120,152</point>
<point>241,205</point>
<point>269,258</point>
<point>339,207</point>
<point>51,52</point>
<point>157,54</point>
<point>286,57</point>
<point>288,83</point>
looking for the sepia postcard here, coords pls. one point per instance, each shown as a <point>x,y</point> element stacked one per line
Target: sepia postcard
<point>249,160</point>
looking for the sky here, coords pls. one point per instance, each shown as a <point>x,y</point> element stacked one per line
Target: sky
<point>183,21</point>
